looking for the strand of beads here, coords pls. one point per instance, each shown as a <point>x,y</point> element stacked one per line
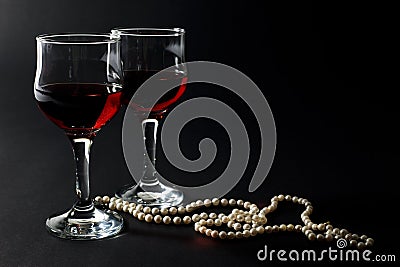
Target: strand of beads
<point>244,220</point>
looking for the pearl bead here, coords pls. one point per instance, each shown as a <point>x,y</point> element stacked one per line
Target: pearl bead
<point>116,201</point>
<point>290,227</point>
<point>343,232</point>
<point>329,237</point>
<point>181,210</point>
<point>157,219</point>
<point>246,205</point>
<point>215,201</point>
<point>237,226</point>
<point>224,202</point>
<point>135,213</point>
<point>282,227</point>
<point>225,219</point>
<point>363,237</point>
<point>196,227</point>
<point>141,216</point>
<point>321,227</point>
<point>298,228</point>
<point>148,218</point>
<point>288,198</point>
<point>268,229</point>
<point>113,199</point>
<point>139,207</point>
<point>188,208</point>
<point>255,218</point>
<point>173,210</point>
<point>329,227</point>
<point>239,218</point>
<point>232,217</point>
<point>212,215</point>
<point>361,245</point>
<point>295,199</point>
<point>167,220</point>
<point>312,237</point>
<point>177,220</point>
<point>247,219</point>
<point>202,229</point>
<point>253,232</point>
<point>307,232</point>
<point>125,208</point>
<point>275,228</point>
<point>274,199</point>
<point>320,237</point>
<point>196,217</point>
<point>203,215</point>
<point>146,210</point>
<point>355,236</point>
<point>246,233</point>
<point>132,205</point>
<point>314,226</point>
<point>186,220</point>
<point>240,203</point>
<point>98,199</point>
<point>124,202</point>
<point>221,215</point>
<point>348,236</point>
<point>106,199</point>
<point>207,202</point>
<point>336,231</point>
<point>353,243</point>
<point>214,234</point>
<point>199,203</point>
<point>217,222</point>
<point>232,202</point>
<point>222,234</point>
<point>305,228</point>
<point>266,210</point>
<point>239,235</point>
<point>260,230</point>
<point>202,222</point>
<point>155,211</point>
<point>210,222</point>
<point>368,242</point>
<point>208,232</point>
<point>164,211</point>
<point>119,206</point>
<point>231,235</point>
<point>246,226</point>
<point>281,197</point>
<point>112,206</point>
<point>230,224</point>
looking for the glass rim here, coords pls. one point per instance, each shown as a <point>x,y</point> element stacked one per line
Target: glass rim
<point>145,32</point>
<point>61,38</point>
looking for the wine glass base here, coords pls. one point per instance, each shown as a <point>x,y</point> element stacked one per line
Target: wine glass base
<point>155,195</point>
<point>91,223</point>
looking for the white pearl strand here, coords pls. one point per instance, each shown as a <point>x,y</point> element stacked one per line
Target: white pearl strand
<point>246,222</point>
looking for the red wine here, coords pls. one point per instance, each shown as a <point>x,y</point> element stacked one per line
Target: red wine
<point>133,79</point>
<point>79,107</point>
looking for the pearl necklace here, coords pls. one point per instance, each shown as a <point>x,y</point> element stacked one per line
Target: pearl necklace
<point>247,221</point>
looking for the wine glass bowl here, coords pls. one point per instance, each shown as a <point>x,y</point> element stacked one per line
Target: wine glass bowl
<point>78,87</point>
<point>145,52</point>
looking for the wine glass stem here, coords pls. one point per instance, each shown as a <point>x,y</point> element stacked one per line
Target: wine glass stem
<point>149,127</point>
<point>81,147</point>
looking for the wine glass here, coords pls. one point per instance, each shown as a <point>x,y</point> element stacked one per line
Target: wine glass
<point>144,52</point>
<point>78,87</point>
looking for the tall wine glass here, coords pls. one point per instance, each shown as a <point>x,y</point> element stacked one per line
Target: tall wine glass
<point>78,87</point>
<point>144,52</point>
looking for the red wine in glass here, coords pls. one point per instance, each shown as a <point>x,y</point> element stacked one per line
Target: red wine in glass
<point>79,107</point>
<point>133,79</point>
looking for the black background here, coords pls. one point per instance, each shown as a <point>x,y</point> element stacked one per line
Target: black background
<point>325,69</point>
